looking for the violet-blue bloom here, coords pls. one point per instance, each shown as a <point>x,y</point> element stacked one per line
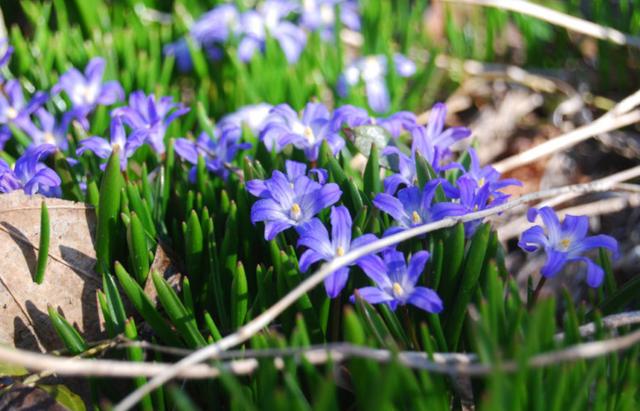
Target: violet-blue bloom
<point>293,170</point>
<point>565,242</point>
<point>283,126</point>
<point>488,175</point>
<point>88,90</point>
<point>49,130</point>
<point>435,139</point>
<point>320,247</point>
<point>396,282</point>
<point>15,110</point>
<point>217,152</point>
<point>372,70</point>
<point>269,18</point>
<point>216,25</point>
<point>30,173</point>
<point>103,148</point>
<point>320,15</point>
<point>411,207</point>
<point>149,117</point>
<point>288,205</point>
<point>467,197</point>
<point>253,116</point>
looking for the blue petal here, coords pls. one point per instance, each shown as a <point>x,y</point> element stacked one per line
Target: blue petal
<point>378,95</point>
<point>273,228</point>
<point>309,257</point>
<point>340,227</point>
<point>391,206</point>
<point>373,295</point>
<point>533,239</point>
<point>266,209</point>
<point>416,265</point>
<point>314,235</point>
<point>375,268</point>
<point>335,282</point>
<point>555,261</point>
<point>595,274</point>
<point>426,299</point>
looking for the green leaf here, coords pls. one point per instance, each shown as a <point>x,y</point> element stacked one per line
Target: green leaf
<point>469,281</point>
<point>69,335</point>
<point>183,320</point>
<point>135,354</point>
<point>138,251</point>
<point>107,231</point>
<point>145,307</point>
<point>239,297</point>
<point>64,396</point>
<point>372,183</point>
<point>43,249</point>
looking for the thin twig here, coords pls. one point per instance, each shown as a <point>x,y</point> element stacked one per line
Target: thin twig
<point>442,363</point>
<point>261,321</point>
<point>552,16</point>
<point>570,139</point>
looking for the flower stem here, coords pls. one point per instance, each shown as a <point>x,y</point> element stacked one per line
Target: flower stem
<point>536,292</point>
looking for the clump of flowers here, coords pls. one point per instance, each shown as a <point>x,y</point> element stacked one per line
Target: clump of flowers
<point>564,243</point>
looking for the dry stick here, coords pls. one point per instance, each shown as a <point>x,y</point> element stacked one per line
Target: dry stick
<point>619,116</point>
<point>560,19</point>
<point>443,363</point>
<point>570,139</point>
<point>254,326</point>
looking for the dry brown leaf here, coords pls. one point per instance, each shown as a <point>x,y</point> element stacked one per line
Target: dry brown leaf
<point>70,283</point>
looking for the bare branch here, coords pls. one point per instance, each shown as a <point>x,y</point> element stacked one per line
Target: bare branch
<point>552,16</point>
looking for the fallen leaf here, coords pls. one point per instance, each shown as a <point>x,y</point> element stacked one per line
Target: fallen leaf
<point>70,282</point>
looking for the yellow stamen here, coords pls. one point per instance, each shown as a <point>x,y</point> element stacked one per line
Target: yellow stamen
<point>339,251</point>
<point>565,243</point>
<point>49,138</point>
<point>11,113</point>
<point>308,134</point>
<point>481,182</point>
<point>397,289</point>
<point>296,211</point>
<point>415,217</point>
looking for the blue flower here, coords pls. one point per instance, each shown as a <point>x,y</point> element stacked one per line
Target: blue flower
<point>149,117</point>
<point>372,70</point>
<point>49,131</point>
<point>217,25</point>
<point>293,170</point>
<point>218,153</point>
<point>30,173</point>
<point>565,242</point>
<point>103,148</point>
<point>87,90</point>
<point>434,142</point>
<point>320,247</point>
<point>412,207</point>
<point>431,142</point>
<point>467,197</point>
<point>320,15</point>
<point>283,126</point>
<point>270,18</point>
<point>488,175</point>
<point>287,204</point>
<point>396,283</point>
<point>15,110</point>
<point>253,116</point>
